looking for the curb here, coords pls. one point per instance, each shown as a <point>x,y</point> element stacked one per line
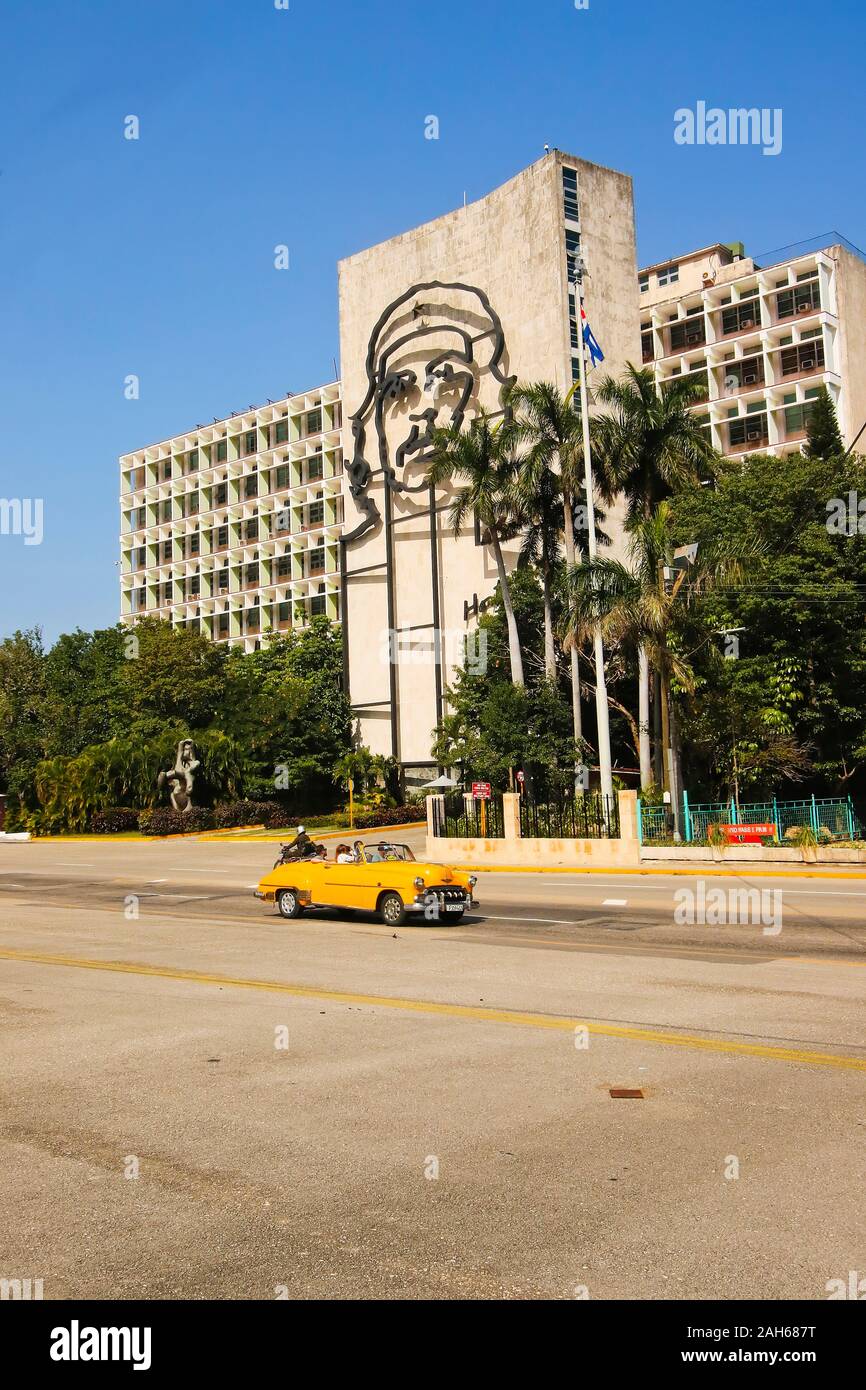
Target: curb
<point>697,872</point>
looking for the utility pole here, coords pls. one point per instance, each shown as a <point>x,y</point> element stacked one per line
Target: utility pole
<point>602,711</point>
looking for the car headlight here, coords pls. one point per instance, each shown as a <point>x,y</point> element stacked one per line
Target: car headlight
<point>419,883</point>
<point>473,879</point>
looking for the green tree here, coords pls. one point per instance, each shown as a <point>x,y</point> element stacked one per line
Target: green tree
<point>824,438</point>
<point>649,443</point>
<point>482,457</point>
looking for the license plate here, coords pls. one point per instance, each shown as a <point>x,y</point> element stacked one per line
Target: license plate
<point>453,907</point>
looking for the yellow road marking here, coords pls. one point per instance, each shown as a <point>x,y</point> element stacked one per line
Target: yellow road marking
<point>466,1011</point>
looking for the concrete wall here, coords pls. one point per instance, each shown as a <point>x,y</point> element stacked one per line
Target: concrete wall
<point>511,849</point>
<point>511,246</point>
<point>851,301</point>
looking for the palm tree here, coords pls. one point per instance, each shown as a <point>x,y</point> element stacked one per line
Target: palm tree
<point>548,423</point>
<point>640,603</point>
<point>539,502</point>
<point>483,457</point>
<point>649,443</point>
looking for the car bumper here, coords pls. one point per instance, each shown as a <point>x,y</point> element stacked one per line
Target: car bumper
<point>447,901</point>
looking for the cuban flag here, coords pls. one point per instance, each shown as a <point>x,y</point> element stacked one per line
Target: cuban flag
<point>595,353</point>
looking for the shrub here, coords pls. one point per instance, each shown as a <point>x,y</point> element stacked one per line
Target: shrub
<point>390,815</point>
<point>716,836</point>
<point>166,821</point>
<point>114,821</point>
<point>231,813</point>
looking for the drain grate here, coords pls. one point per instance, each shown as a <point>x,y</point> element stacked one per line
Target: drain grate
<point>622,1093</point>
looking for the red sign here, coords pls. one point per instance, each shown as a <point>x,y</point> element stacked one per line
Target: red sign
<point>481,791</point>
<point>521,776</point>
<point>749,834</point>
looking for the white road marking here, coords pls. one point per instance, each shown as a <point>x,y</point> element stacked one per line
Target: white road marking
<point>550,921</point>
<point>156,880</point>
<point>614,902</point>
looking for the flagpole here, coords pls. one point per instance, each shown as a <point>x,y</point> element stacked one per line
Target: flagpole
<point>602,710</point>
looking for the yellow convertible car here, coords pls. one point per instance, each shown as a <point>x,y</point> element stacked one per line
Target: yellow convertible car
<point>384,878</point>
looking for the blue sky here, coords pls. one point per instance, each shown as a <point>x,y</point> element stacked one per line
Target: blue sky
<point>305,126</point>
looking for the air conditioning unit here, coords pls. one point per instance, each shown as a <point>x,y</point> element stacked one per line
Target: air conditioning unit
<point>748,323</point>
<point>807,364</point>
<point>749,378</point>
<point>753,434</point>
<point>693,337</point>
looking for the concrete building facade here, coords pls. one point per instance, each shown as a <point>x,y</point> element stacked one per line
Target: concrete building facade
<point>761,339</point>
<point>318,504</point>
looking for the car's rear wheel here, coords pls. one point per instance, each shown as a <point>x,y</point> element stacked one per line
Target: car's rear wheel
<point>287,902</point>
<point>391,909</point>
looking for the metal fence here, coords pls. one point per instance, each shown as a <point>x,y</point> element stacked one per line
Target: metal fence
<point>464,818</point>
<point>589,817</point>
<point>831,815</point>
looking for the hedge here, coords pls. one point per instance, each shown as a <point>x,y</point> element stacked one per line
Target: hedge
<point>390,815</point>
<point>114,821</point>
<point>232,813</point>
<point>166,821</point>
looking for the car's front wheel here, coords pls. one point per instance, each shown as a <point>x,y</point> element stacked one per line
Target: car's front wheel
<point>391,909</point>
<point>288,903</point>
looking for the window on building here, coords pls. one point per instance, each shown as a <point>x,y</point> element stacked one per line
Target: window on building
<point>192,502</point>
<point>284,613</point>
<point>669,276</point>
<point>251,486</point>
<point>318,604</point>
<point>221,494</point>
<point>250,442</point>
<point>253,620</point>
<point>315,514</point>
<point>165,510</point>
<point>279,432</point>
<point>284,567</point>
<point>805,357</point>
<point>741,317</point>
<point>195,586</point>
<point>166,470</point>
<point>222,537</point>
<point>569,194</point>
<point>748,429</point>
<point>572,251</point>
<point>646,345</point>
<point>222,450</point>
<point>315,469</point>
<point>223,578</point>
<point>317,560</point>
<point>686,334</point>
<point>798,301</point>
<point>192,461</point>
<point>166,592</point>
<point>194,544</point>
<point>313,422</point>
<point>223,625</point>
<point>282,477</point>
<point>166,551</point>
<point>251,529</point>
<point>643,283</point>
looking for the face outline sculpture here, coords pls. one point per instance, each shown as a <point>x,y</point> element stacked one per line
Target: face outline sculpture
<point>427,357</point>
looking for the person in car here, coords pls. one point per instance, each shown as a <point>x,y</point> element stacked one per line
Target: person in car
<point>345,855</point>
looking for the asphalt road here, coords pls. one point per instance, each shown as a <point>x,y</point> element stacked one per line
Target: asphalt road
<point>201,1100</point>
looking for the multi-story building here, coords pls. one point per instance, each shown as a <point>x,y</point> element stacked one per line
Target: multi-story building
<point>232,528</point>
<point>237,528</point>
<point>760,338</point>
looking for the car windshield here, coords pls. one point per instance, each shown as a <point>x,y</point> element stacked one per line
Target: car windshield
<point>376,854</point>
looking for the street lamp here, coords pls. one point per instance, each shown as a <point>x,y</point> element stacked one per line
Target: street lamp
<point>601,706</point>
